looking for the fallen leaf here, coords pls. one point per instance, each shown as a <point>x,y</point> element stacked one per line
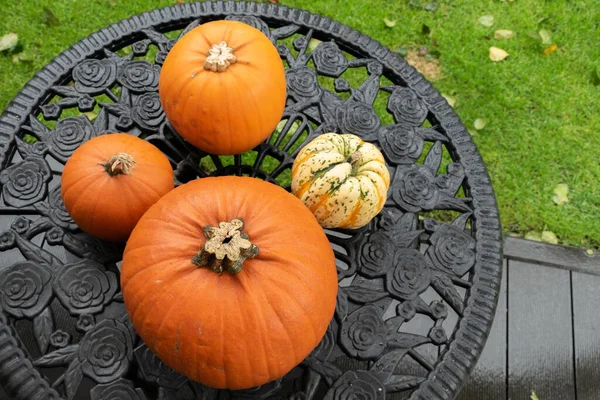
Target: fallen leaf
<point>472,132</point>
<point>549,237</point>
<point>546,36</point>
<point>533,235</point>
<point>479,124</point>
<point>431,7</point>
<point>451,100</point>
<point>596,76</point>
<point>414,3</point>
<point>401,51</point>
<point>9,41</point>
<point>550,50</point>
<point>274,1</point>
<point>534,35</point>
<point>389,23</point>
<point>422,51</point>
<point>589,252</point>
<point>180,1</point>
<point>50,18</point>
<point>504,34</point>
<point>91,115</point>
<point>313,43</point>
<point>497,54</point>
<point>22,57</point>
<point>486,20</point>
<point>534,396</point>
<point>561,194</point>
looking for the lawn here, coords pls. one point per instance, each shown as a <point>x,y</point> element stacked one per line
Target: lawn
<point>541,111</point>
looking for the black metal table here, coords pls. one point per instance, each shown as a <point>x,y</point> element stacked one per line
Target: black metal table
<point>418,285</point>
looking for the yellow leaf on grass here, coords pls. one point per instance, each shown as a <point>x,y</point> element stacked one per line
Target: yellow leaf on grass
<point>550,50</point>
<point>549,237</point>
<point>561,194</point>
<point>497,54</point>
<point>389,23</point>
<point>504,34</point>
<point>451,100</point>
<point>533,235</point>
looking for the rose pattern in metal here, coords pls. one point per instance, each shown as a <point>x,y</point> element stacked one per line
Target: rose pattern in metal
<point>406,279</point>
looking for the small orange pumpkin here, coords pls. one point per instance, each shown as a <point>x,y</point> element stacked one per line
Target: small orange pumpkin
<point>222,87</point>
<point>111,180</point>
<point>230,281</point>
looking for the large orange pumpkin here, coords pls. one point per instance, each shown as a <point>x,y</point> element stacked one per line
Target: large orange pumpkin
<point>245,306</point>
<point>111,180</point>
<point>222,87</point>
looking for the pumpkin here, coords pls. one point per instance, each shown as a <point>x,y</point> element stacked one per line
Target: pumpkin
<point>230,281</point>
<point>222,87</point>
<point>111,180</point>
<point>343,180</point>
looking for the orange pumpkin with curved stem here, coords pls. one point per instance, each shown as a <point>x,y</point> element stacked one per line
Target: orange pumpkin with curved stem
<point>111,180</point>
<point>222,87</point>
<point>230,281</point>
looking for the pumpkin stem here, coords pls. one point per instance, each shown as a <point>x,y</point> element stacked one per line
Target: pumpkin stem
<point>119,164</point>
<point>355,159</point>
<point>226,247</point>
<point>220,56</point>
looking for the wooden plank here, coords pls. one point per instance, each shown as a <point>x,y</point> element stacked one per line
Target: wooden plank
<point>575,259</point>
<point>488,379</point>
<point>540,332</point>
<point>586,331</point>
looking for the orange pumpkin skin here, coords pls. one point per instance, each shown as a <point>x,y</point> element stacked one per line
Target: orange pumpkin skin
<point>107,206</point>
<point>223,330</point>
<point>226,112</point>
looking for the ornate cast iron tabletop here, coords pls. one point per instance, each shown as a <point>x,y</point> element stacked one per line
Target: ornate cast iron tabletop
<point>418,285</point>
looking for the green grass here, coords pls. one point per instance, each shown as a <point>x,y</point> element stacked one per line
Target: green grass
<point>542,112</point>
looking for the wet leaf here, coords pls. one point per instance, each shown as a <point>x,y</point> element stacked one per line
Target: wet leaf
<point>504,34</point>
<point>9,41</point>
<point>497,54</point>
<point>549,237</point>
<point>561,194</point>
<point>534,35</point>
<point>425,30</point>
<point>90,115</point>
<point>550,50</point>
<point>389,23</point>
<point>533,235</point>
<point>596,76</point>
<point>50,18</point>
<point>22,58</point>
<point>479,124</point>
<point>312,45</point>
<point>486,20</point>
<point>451,100</point>
<point>401,51</point>
<point>546,36</point>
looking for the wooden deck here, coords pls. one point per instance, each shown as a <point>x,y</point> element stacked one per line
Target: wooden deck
<point>546,334</point>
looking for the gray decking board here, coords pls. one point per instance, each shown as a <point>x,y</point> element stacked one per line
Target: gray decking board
<point>571,258</point>
<point>586,329</point>
<point>540,332</point>
<point>488,379</point>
